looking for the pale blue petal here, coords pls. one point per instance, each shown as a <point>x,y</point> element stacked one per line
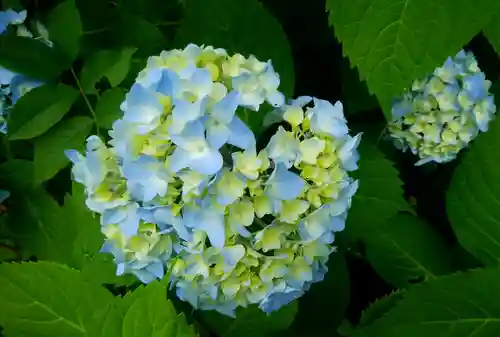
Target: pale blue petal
<point>6,76</point>
<point>209,162</point>
<point>283,184</point>
<point>11,17</point>
<point>276,300</point>
<point>217,135</point>
<point>241,136</point>
<point>223,111</point>
<point>276,98</point>
<point>178,160</point>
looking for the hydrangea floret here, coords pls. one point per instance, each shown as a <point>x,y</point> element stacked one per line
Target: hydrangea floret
<point>443,112</point>
<point>13,85</point>
<point>183,191</point>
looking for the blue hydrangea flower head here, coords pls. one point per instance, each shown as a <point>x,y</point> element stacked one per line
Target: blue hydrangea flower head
<point>443,112</point>
<point>183,191</point>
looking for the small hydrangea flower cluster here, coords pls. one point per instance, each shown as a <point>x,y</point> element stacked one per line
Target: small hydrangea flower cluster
<point>13,85</point>
<point>183,191</point>
<point>443,112</point>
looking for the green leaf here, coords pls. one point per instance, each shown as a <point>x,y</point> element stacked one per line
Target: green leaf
<point>391,45</point>
<point>49,148</point>
<point>473,198</point>
<point>394,249</point>
<point>147,312</point>
<point>112,64</point>
<point>460,305</point>
<point>40,109</point>
<point>144,312</point>
<point>380,307</point>
<point>47,299</point>
<point>87,236</point>
<point>355,95</point>
<point>30,57</point>
<point>331,293</point>
<point>380,195</point>
<point>40,227</point>
<point>251,321</point>
<point>16,175</point>
<point>65,29</point>
<point>232,25</point>
<point>492,32</point>
<point>108,107</point>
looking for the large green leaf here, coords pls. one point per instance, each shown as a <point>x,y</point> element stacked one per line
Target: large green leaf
<point>492,32</point>
<point>147,312</point>
<point>108,109</point>
<point>393,43</point>
<point>16,175</point>
<point>461,305</point>
<point>47,299</point>
<point>65,28</point>
<point>331,293</point>
<point>251,321</point>
<point>405,249</point>
<point>242,26</point>
<point>380,195</point>
<point>49,148</point>
<point>144,312</point>
<point>380,307</point>
<point>40,227</point>
<point>30,57</point>
<point>40,109</point>
<point>473,198</point>
<point>112,64</point>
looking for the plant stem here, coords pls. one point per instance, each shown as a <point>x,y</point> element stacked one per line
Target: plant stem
<point>85,98</point>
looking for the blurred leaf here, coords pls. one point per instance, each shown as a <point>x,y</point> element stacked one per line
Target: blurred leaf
<point>101,268</point>
<point>41,228</point>
<point>147,312</point>
<point>251,321</point>
<point>47,299</point>
<point>390,44</point>
<point>380,307</point>
<point>108,107</point>
<point>30,57</point>
<point>394,249</point>
<point>39,109</point>
<point>112,64</point>
<point>232,25</point>
<point>13,4</point>
<point>473,198</point>
<point>65,29</point>
<point>332,293</point>
<point>492,32</point>
<point>16,175</point>
<point>460,305</point>
<point>380,194</point>
<point>133,31</point>
<point>49,148</point>
<point>355,92</point>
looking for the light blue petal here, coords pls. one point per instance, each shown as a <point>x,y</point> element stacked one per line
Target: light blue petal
<point>223,111</point>
<point>276,300</point>
<point>6,76</point>
<point>184,113</point>
<point>212,222</point>
<point>240,134</point>
<point>11,17</point>
<point>283,184</point>
<point>4,195</point>
<point>208,163</point>
<point>276,98</point>
<point>217,135</point>
<point>178,160</point>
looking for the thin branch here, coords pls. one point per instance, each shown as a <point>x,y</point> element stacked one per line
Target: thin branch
<point>85,98</point>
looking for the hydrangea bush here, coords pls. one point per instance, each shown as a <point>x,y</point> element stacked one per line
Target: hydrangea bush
<point>238,168</point>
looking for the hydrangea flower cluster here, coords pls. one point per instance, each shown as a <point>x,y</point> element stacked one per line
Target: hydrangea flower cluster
<point>13,85</point>
<point>442,113</point>
<point>184,193</point>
